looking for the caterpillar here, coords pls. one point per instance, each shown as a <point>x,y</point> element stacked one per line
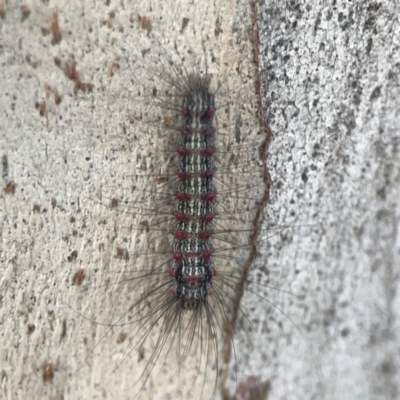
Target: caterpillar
<point>179,248</point>
<point>187,284</point>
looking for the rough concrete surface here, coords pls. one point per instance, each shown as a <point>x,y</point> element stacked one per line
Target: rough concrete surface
<point>327,325</point>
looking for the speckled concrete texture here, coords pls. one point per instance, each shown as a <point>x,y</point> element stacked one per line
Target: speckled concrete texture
<point>324,321</point>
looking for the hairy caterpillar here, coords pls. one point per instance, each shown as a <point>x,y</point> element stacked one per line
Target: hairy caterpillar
<point>180,100</point>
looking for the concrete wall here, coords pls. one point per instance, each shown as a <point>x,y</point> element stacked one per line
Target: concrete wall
<point>329,241</point>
